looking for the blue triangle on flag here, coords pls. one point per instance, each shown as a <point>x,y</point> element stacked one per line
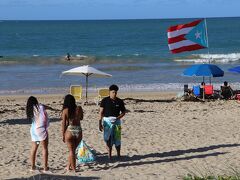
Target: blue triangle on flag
<point>198,34</point>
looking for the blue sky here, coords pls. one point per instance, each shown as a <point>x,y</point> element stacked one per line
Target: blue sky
<point>116,9</point>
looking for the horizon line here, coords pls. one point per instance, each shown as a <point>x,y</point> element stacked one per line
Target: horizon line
<point>117,19</point>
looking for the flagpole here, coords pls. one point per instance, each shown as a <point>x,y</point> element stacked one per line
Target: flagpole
<point>205,21</point>
<point>209,61</point>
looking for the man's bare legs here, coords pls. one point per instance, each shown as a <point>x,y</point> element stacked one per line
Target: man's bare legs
<point>109,148</point>
<point>118,148</point>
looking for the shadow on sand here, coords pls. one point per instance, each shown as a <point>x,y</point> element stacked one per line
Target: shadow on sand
<point>24,121</point>
<point>57,177</point>
<point>149,100</point>
<point>170,156</point>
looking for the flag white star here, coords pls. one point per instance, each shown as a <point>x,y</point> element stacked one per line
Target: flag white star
<point>198,35</point>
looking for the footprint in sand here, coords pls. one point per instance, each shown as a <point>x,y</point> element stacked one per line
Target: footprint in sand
<point>24,161</point>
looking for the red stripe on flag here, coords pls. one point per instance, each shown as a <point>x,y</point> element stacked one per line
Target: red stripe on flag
<point>176,39</point>
<point>180,26</point>
<point>187,48</point>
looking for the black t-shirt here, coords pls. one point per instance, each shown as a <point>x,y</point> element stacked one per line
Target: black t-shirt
<point>112,107</point>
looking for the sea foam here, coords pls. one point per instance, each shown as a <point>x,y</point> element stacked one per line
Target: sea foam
<point>211,58</point>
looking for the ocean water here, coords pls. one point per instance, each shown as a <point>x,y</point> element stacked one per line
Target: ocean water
<point>135,52</point>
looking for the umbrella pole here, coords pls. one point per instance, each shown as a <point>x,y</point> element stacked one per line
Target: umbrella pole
<point>86,88</point>
<point>203,93</point>
<point>203,90</point>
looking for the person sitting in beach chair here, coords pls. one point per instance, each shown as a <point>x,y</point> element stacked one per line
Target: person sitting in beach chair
<point>226,91</point>
<point>202,89</point>
<point>187,93</point>
<point>186,90</point>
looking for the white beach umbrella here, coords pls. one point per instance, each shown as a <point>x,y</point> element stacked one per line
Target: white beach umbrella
<point>86,71</point>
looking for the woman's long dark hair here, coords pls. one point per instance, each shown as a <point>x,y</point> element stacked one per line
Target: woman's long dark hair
<point>31,103</point>
<point>70,103</point>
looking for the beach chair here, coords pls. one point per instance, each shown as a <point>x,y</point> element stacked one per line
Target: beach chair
<point>76,91</point>
<point>196,91</point>
<point>102,93</point>
<point>208,89</point>
<point>209,92</point>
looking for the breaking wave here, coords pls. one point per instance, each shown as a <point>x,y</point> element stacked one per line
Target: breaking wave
<point>213,58</point>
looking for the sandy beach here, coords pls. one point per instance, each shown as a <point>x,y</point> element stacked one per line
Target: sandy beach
<point>162,138</point>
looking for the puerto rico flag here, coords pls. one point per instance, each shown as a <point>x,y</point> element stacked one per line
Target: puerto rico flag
<point>187,37</point>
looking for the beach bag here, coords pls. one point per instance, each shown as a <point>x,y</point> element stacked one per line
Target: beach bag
<point>84,153</point>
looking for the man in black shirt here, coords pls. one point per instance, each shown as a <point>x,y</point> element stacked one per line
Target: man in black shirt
<point>112,109</point>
